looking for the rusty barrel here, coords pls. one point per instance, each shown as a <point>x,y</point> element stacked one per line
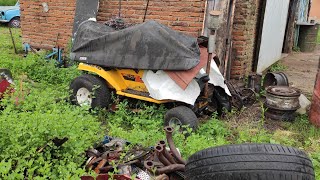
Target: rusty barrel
<point>315,107</point>
<point>308,37</point>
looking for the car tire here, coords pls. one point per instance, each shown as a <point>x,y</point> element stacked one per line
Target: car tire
<point>99,94</point>
<point>15,22</point>
<point>250,161</point>
<point>181,115</point>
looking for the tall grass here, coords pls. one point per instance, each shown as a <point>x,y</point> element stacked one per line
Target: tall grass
<point>7,2</point>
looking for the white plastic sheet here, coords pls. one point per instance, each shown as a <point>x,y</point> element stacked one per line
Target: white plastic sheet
<point>162,87</point>
<point>217,79</point>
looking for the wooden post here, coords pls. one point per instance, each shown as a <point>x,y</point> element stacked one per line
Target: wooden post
<point>14,44</point>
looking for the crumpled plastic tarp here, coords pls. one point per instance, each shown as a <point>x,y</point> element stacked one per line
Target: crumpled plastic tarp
<point>162,87</point>
<point>147,46</point>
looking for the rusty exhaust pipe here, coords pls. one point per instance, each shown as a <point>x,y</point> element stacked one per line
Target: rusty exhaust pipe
<point>173,148</point>
<point>149,165</point>
<point>164,170</point>
<point>171,168</point>
<point>161,156</point>
<point>166,152</point>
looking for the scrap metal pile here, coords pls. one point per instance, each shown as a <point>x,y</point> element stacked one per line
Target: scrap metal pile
<point>117,156</point>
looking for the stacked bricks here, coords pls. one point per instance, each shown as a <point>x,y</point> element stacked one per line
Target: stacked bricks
<point>54,28</point>
<point>47,29</point>
<point>244,35</point>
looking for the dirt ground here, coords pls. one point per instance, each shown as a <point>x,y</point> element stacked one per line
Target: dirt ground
<point>302,70</point>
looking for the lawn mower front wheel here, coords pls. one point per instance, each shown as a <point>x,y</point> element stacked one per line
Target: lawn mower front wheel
<point>181,116</point>
<point>90,90</point>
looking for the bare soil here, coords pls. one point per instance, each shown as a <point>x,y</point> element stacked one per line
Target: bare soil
<point>302,70</point>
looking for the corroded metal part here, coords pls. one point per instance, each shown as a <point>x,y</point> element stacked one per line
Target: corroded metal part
<point>282,98</point>
<point>275,79</point>
<point>164,170</point>
<point>161,156</point>
<point>175,153</point>
<point>280,115</point>
<point>315,107</point>
<point>166,152</point>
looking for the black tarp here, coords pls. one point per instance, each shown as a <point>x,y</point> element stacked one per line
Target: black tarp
<point>149,45</point>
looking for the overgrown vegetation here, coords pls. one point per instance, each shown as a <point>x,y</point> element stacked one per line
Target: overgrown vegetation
<point>38,112</point>
<point>7,2</point>
<point>277,67</point>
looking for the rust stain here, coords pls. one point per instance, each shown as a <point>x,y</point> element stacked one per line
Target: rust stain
<point>315,107</point>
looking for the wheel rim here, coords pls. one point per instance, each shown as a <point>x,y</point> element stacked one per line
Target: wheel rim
<point>84,97</point>
<point>175,123</point>
<point>15,23</point>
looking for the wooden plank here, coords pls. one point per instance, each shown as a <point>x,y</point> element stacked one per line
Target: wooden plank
<point>228,55</point>
<point>289,39</point>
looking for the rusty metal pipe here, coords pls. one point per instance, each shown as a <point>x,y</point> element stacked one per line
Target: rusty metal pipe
<point>166,152</point>
<point>171,168</point>
<point>164,170</point>
<point>161,156</point>
<point>173,148</point>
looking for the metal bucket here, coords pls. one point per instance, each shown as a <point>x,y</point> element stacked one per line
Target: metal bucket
<point>275,79</point>
<point>315,107</point>
<point>254,82</point>
<point>308,38</point>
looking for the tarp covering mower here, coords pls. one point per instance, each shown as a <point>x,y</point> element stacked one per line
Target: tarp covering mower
<point>148,62</point>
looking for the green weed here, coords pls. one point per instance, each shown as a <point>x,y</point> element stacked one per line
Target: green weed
<point>7,2</point>
<point>276,67</point>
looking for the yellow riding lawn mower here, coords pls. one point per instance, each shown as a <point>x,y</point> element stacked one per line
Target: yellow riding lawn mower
<point>148,62</point>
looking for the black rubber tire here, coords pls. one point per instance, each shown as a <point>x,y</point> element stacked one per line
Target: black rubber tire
<point>96,85</point>
<point>12,23</point>
<point>250,162</point>
<point>184,114</point>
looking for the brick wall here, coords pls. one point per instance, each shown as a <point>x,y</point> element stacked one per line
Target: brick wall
<point>182,15</point>
<point>48,29</point>
<point>244,34</point>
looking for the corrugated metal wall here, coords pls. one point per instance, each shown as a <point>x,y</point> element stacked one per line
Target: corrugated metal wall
<point>303,9</point>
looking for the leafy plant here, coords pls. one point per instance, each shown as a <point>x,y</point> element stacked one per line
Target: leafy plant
<point>7,2</point>
<point>278,67</point>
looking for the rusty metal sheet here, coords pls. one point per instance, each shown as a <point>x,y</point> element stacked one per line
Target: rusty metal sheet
<point>315,107</point>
